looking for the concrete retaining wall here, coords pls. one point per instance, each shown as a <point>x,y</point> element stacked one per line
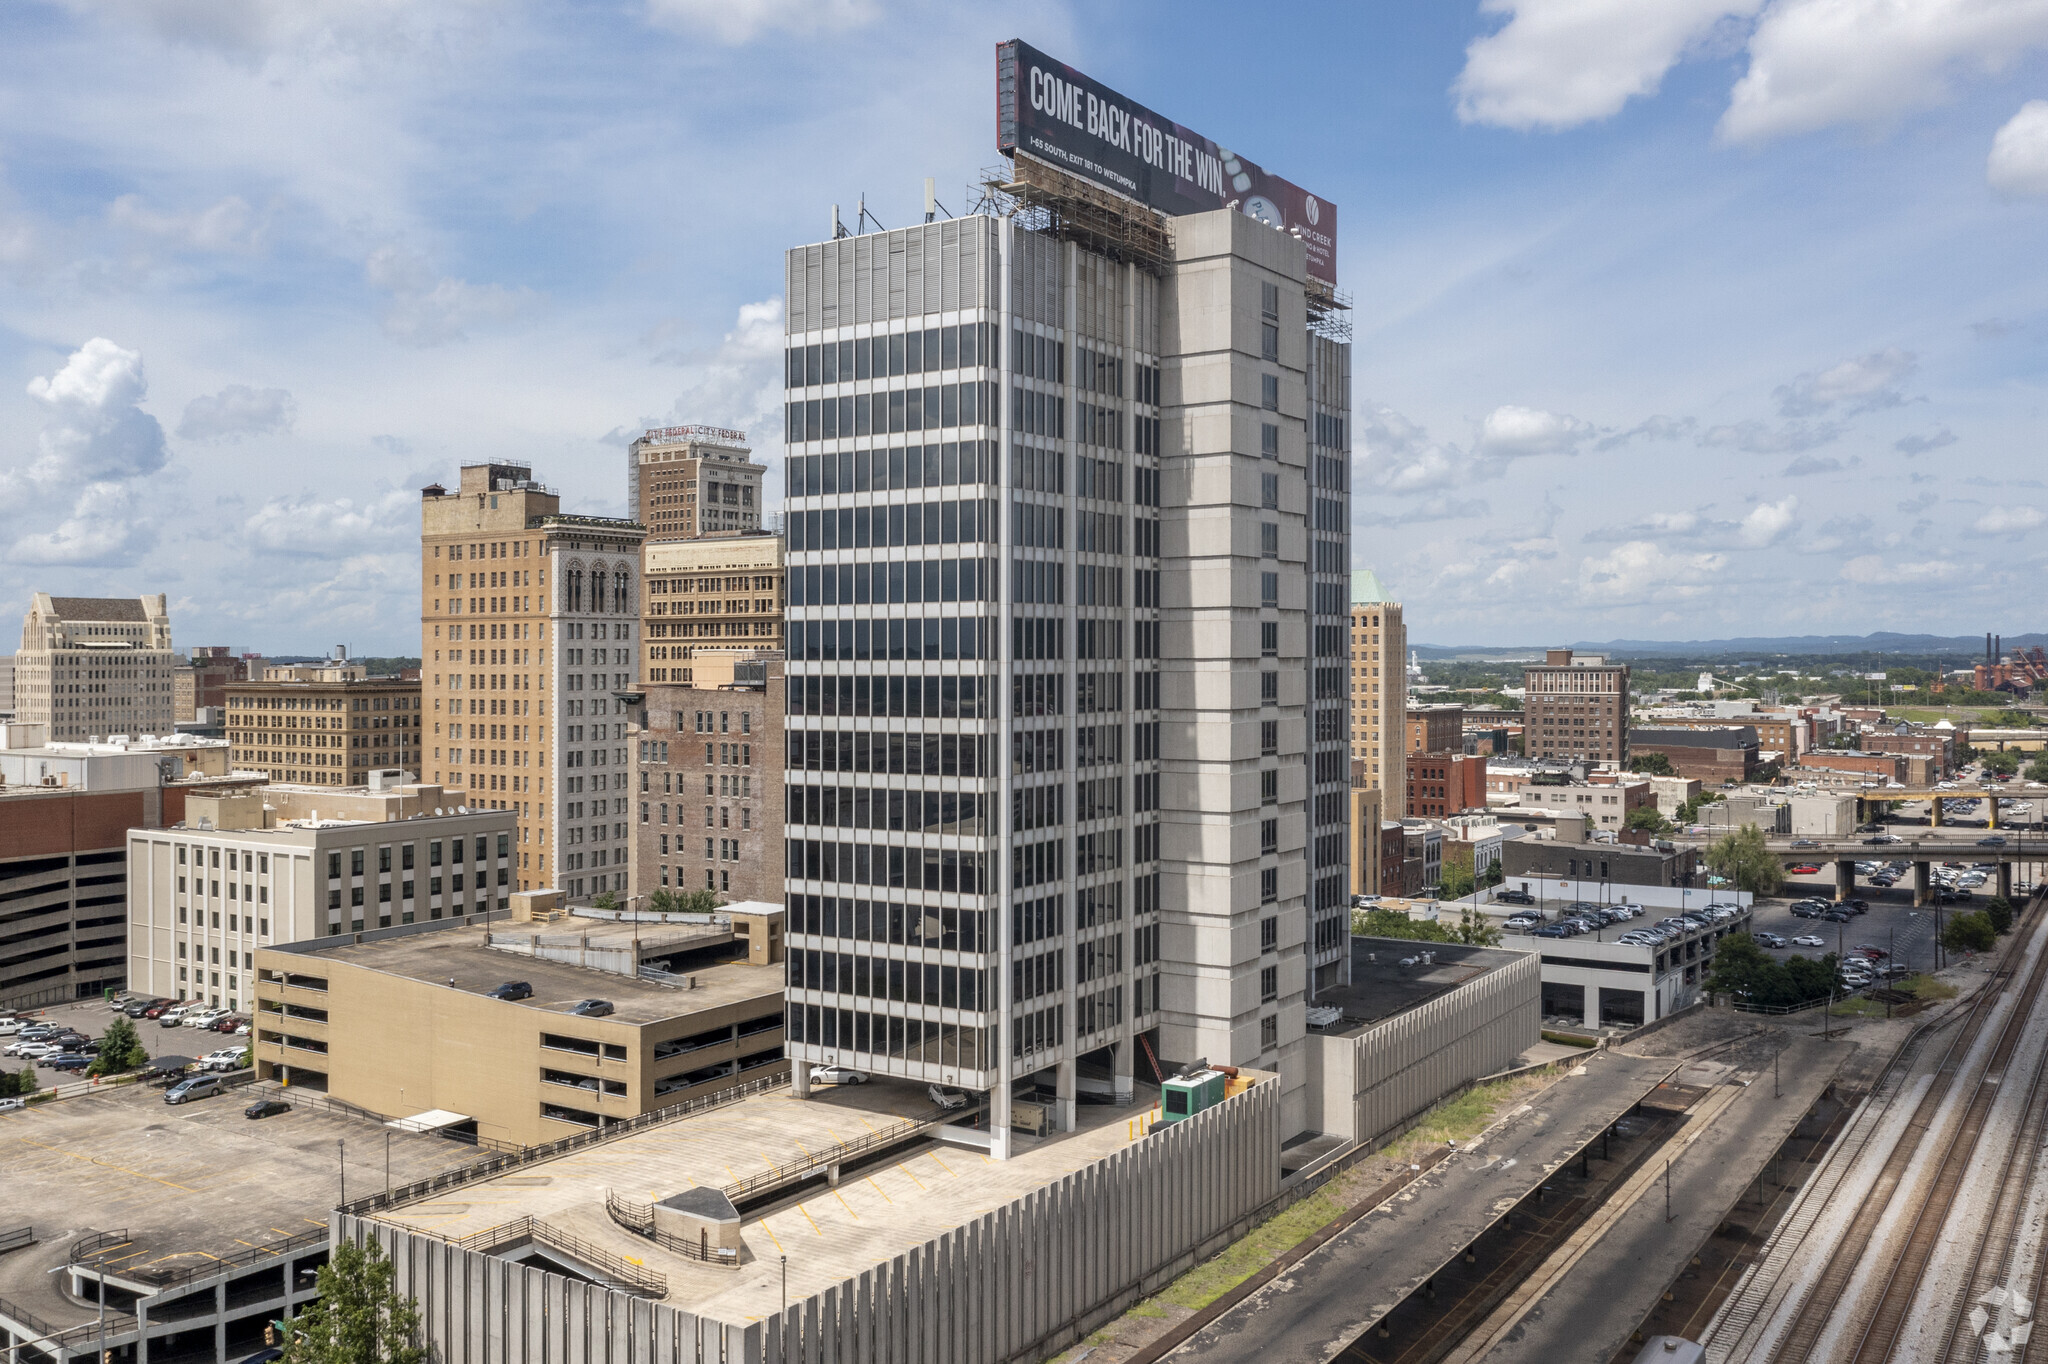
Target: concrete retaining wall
<point>1403,1066</point>
<point>1016,1284</point>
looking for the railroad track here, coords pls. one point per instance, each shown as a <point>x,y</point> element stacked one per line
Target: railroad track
<point>1886,1322</point>
<point>1741,1330</point>
<point>1765,1286</point>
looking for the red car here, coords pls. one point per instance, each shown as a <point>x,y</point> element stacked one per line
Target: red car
<point>1804,869</point>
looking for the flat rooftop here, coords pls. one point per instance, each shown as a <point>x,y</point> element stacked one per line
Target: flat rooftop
<point>880,1210</point>
<point>458,958</point>
<point>189,1182</point>
<point>1382,987</point>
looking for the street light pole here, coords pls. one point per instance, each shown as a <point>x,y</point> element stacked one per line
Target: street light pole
<point>342,1147</point>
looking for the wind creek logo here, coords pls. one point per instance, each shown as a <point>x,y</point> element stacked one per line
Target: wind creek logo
<point>1315,211</point>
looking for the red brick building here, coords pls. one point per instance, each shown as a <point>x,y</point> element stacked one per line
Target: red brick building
<point>1709,755</point>
<point>1442,784</point>
<point>1881,766</point>
<point>1936,745</point>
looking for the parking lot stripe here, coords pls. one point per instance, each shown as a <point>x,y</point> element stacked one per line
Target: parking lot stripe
<point>880,1190</point>
<point>770,1230</point>
<point>108,1165</point>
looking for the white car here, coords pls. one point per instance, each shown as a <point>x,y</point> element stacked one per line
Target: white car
<point>227,1058</point>
<point>33,1051</point>
<point>1809,940</point>
<point>174,1015</point>
<point>838,1075</point>
<point>204,1017</point>
<point>946,1098</point>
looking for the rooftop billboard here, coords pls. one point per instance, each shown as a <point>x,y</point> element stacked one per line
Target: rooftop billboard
<point>1048,110</point>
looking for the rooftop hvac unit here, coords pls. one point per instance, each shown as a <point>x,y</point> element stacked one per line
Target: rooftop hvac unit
<point>1186,1095</point>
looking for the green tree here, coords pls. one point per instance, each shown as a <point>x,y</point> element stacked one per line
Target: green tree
<point>605,900</point>
<point>360,1317</point>
<point>2002,761</point>
<point>1475,929</point>
<point>1969,933</point>
<point>1455,883</point>
<point>1748,973</point>
<point>1494,874</point>
<point>683,902</point>
<point>1746,861</point>
<point>1392,923</point>
<point>1689,813</point>
<point>19,1084</point>
<point>1647,819</point>
<point>120,1050</point>
<point>1998,909</point>
<point>2010,719</point>
<point>2037,770</point>
<point>1653,764</point>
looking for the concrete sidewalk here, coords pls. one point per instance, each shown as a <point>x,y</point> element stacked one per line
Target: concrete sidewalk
<point>1315,1309</point>
<point>1589,1312</point>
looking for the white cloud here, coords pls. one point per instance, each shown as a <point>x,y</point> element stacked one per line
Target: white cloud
<point>2018,164</point>
<point>1817,64</point>
<point>95,429</point>
<point>1758,438</point>
<point>1876,570</point>
<point>1397,456</point>
<point>229,225</point>
<point>1818,464</point>
<point>300,525</point>
<point>1641,569</point>
<point>1864,384</point>
<point>1560,63</point>
<point>104,528</point>
<point>426,310</point>
<point>740,21</point>
<point>1769,523</point>
<point>2002,520</point>
<point>247,32</point>
<point>1511,432</point>
<point>237,411</point>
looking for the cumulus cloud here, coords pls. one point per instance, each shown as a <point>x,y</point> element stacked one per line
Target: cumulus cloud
<point>1920,445</point>
<point>426,309</point>
<point>1866,63</point>
<point>1861,385</point>
<point>94,428</point>
<point>1516,432</point>
<point>1877,570</point>
<point>325,526</point>
<point>1769,523</point>
<point>2007,520</point>
<point>2018,164</point>
<point>1913,506</point>
<point>246,33</point>
<point>1438,508</point>
<point>1642,569</point>
<point>1816,464</point>
<point>237,411</point>
<point>742,21</point>
<point>106,527</point>
<point>1398,456</point>
<point>1560,63</point>
<point>1650,428</point>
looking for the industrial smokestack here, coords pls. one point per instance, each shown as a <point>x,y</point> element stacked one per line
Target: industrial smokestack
<point>1997,647</point>
<point>1988,659</point>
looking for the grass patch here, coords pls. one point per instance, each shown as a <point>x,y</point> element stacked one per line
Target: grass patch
<point>1858,1007</point>
<point>1567,1039</point>
<point>1459,1119</point>
<point>1927,987</point>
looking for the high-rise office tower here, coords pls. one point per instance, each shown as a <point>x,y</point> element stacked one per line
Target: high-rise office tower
<point>1379,691</point>
<point>1575,706</point>
<point>685,481</point>
<point>1067,532</point>
<point>529,647</point>
<point>93,666</point>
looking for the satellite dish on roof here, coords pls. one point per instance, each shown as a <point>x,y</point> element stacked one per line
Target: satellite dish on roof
<point>437,810</point>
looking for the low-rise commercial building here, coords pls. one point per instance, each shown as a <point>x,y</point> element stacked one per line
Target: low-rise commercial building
<point>243,872</point>
<point>403,1022</point>
<point>1672,793</point>
<point>1856,765</point>
<point>1435,729</point>
<point>1621,864</point>
<point>329,732</point>
<point>1606,802</point>
<point>710,758</point>
<point>1770,814</point>
<point>1597,984</point>
<point>1712,756</point>
<point>1921,741</point>
<point>202,683</point>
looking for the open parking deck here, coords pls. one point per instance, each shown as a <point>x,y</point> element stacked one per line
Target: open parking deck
<point>190,1184</point>
<point>894,1201</point>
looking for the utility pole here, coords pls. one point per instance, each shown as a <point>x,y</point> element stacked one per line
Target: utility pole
<point>1776,1092</point>
<point>1667,1192</point>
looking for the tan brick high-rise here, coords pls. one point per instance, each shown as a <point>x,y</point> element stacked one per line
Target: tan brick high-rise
<point>714,595</point>
<point>95,666</point>
<point>686,481</point>
<point>1379,692</point>
<point>529,640</point>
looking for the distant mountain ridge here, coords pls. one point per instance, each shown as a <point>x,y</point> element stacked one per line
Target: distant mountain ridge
<point>1884,641</point>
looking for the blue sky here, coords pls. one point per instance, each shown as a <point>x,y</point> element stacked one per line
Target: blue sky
<point>1673,318</point>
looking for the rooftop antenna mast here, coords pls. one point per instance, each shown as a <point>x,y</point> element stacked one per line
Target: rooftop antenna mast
<point>932,206</point>
<point>838,228</point>
<point>867,217</point>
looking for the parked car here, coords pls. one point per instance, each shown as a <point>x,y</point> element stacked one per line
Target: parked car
<point>266,1108</point>
<point>1809,940</point>
<point>1804,843</point>
<point>141,1007</point>
<point>1552,931</point>
<point>946,1098</point>
<point>839,1075</point>
<point>1994,841</point>
<point>194,1087</point>
<point>1804,869</point>
<point>1770,939</point>
<point>204,1018</point>
<point>175,1015</point>
<point>231,1023</point>
<point>592,1008</point>
<point>226,1059</point>
<point>67,1061</point>
<point>32,1051</point>
<point>513,989</point>
<point>1514,897</point>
